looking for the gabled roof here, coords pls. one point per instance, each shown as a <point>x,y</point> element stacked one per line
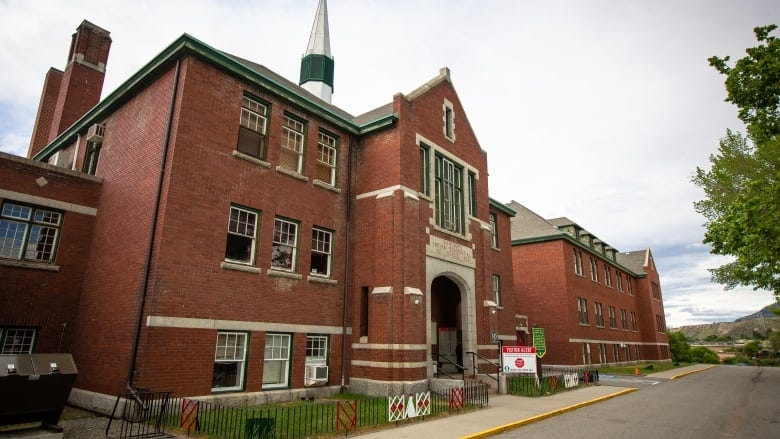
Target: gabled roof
<point>232,65</point>
<point>528,227</point>
<point>635,260</point>
<point>526,224</point>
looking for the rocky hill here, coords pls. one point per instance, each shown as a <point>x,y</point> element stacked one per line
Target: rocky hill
<point>743,327</point>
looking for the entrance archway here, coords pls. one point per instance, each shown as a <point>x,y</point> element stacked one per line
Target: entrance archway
<point>446,319</point>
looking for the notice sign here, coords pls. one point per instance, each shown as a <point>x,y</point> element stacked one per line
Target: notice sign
<point>539,343</point>
<point>519,359</point>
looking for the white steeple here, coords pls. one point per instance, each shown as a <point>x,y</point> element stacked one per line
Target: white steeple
<point>317,63</point>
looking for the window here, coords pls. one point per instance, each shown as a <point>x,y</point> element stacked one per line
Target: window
<point>276,365</point>
<point>317,349</point>
<point>623,320</point>
<point>607,275</point>
<point>656,290</point>
<point>229,361</point>
<point>633,321</point>
<point>594,270</point>
<point>599,312</point>
<point>577,261</point>
<point>603,353</point>
<point>472,194</point>
<point>285,244</point>
<point>612,318</point>
<point>586,353</point>
<point>449,121</point>
<point>493,231</point>
<point>497,290</point>
<point>424,167</point>
<point>28,233</point>
<point>582,311</point>
<point>660,323</point>
<point>91,157</point>
<point>251,131</point>
<point>242,229</point>
<point>321,251</point>
<point>449,195</point>
<point>616,352</point>
<point>619,281</point>
<point>15,341</point>
<point>291,154</point>
<point>628,286</point>
<point>326,159</point>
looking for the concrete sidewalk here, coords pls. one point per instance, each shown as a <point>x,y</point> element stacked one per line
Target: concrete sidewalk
<point>506,412</point>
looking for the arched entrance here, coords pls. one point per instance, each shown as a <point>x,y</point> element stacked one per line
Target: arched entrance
<point>446,320</point>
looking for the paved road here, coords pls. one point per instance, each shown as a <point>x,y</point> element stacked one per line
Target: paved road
<point>628,380</point>
<point>724,402</point>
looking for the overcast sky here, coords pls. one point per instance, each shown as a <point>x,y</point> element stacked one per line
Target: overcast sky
<point>599,111</point>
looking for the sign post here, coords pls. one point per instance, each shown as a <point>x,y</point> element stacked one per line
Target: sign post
<point>540,346</point>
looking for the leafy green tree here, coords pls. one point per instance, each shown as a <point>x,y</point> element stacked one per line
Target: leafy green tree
<point>679,347</point>
<point>751,349</point>
<point>774,339</point>
<point>700,354</point>
<point>742,204</point>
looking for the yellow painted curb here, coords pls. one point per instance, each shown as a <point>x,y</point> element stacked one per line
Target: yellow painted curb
<point>692,371</point>
<point>550,414</point>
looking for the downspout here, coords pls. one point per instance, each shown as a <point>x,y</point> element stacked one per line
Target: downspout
<point>153,231</point>
<point>347,269</point>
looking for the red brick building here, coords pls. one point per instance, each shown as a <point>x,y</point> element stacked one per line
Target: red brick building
<point>213,229</point>
<point>223,231</point>
<point>596,305</point>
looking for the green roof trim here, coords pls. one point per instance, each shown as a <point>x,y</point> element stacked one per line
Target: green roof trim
<point>501,207</point>
<point>186,44</point>
<point>566,237</point>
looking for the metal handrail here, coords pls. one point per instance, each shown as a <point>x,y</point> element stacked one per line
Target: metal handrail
<point>477,369</point>
<point>459,367</point>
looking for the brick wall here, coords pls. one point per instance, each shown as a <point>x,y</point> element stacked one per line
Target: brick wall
<point>33,296</point>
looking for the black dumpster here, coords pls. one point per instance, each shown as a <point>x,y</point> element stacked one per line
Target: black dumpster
<point>35,388</point>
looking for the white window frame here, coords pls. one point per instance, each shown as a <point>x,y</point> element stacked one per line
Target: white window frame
<point>327,153</point>
<point>582,310</point>
<point>493,230</point>
<point>243,225</point>
<point>254,117</point>
<point>608,276</point>
<point>448,119</point>
<point>24,228</point>
<point>497,289</point>
<point>594,269</point>
<point>323,247</point>
<point>235,343</point>
<point>577,261</point>
<point>293,140</point>
<point>316,350</point>
<point>285,235</point>
<point>17,341</point>
<point>278,348</point>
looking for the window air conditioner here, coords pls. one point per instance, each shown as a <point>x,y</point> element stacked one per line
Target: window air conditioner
<point>95,133</point>
<point>316,374</point>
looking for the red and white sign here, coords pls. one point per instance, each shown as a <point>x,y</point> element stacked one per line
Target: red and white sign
<point>519,359</point>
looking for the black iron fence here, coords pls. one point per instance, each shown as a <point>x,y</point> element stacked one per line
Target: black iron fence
<point>139,415</point>
<point>341,415</point>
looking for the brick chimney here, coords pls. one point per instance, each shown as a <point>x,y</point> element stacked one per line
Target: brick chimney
<point>70,94</point>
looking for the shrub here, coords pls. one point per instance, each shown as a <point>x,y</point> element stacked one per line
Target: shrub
<point>700,354</point>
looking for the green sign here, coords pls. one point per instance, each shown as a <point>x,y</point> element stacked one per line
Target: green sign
<point>539,344</point>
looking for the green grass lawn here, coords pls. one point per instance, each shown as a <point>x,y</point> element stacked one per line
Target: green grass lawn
<point>644,368</point>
